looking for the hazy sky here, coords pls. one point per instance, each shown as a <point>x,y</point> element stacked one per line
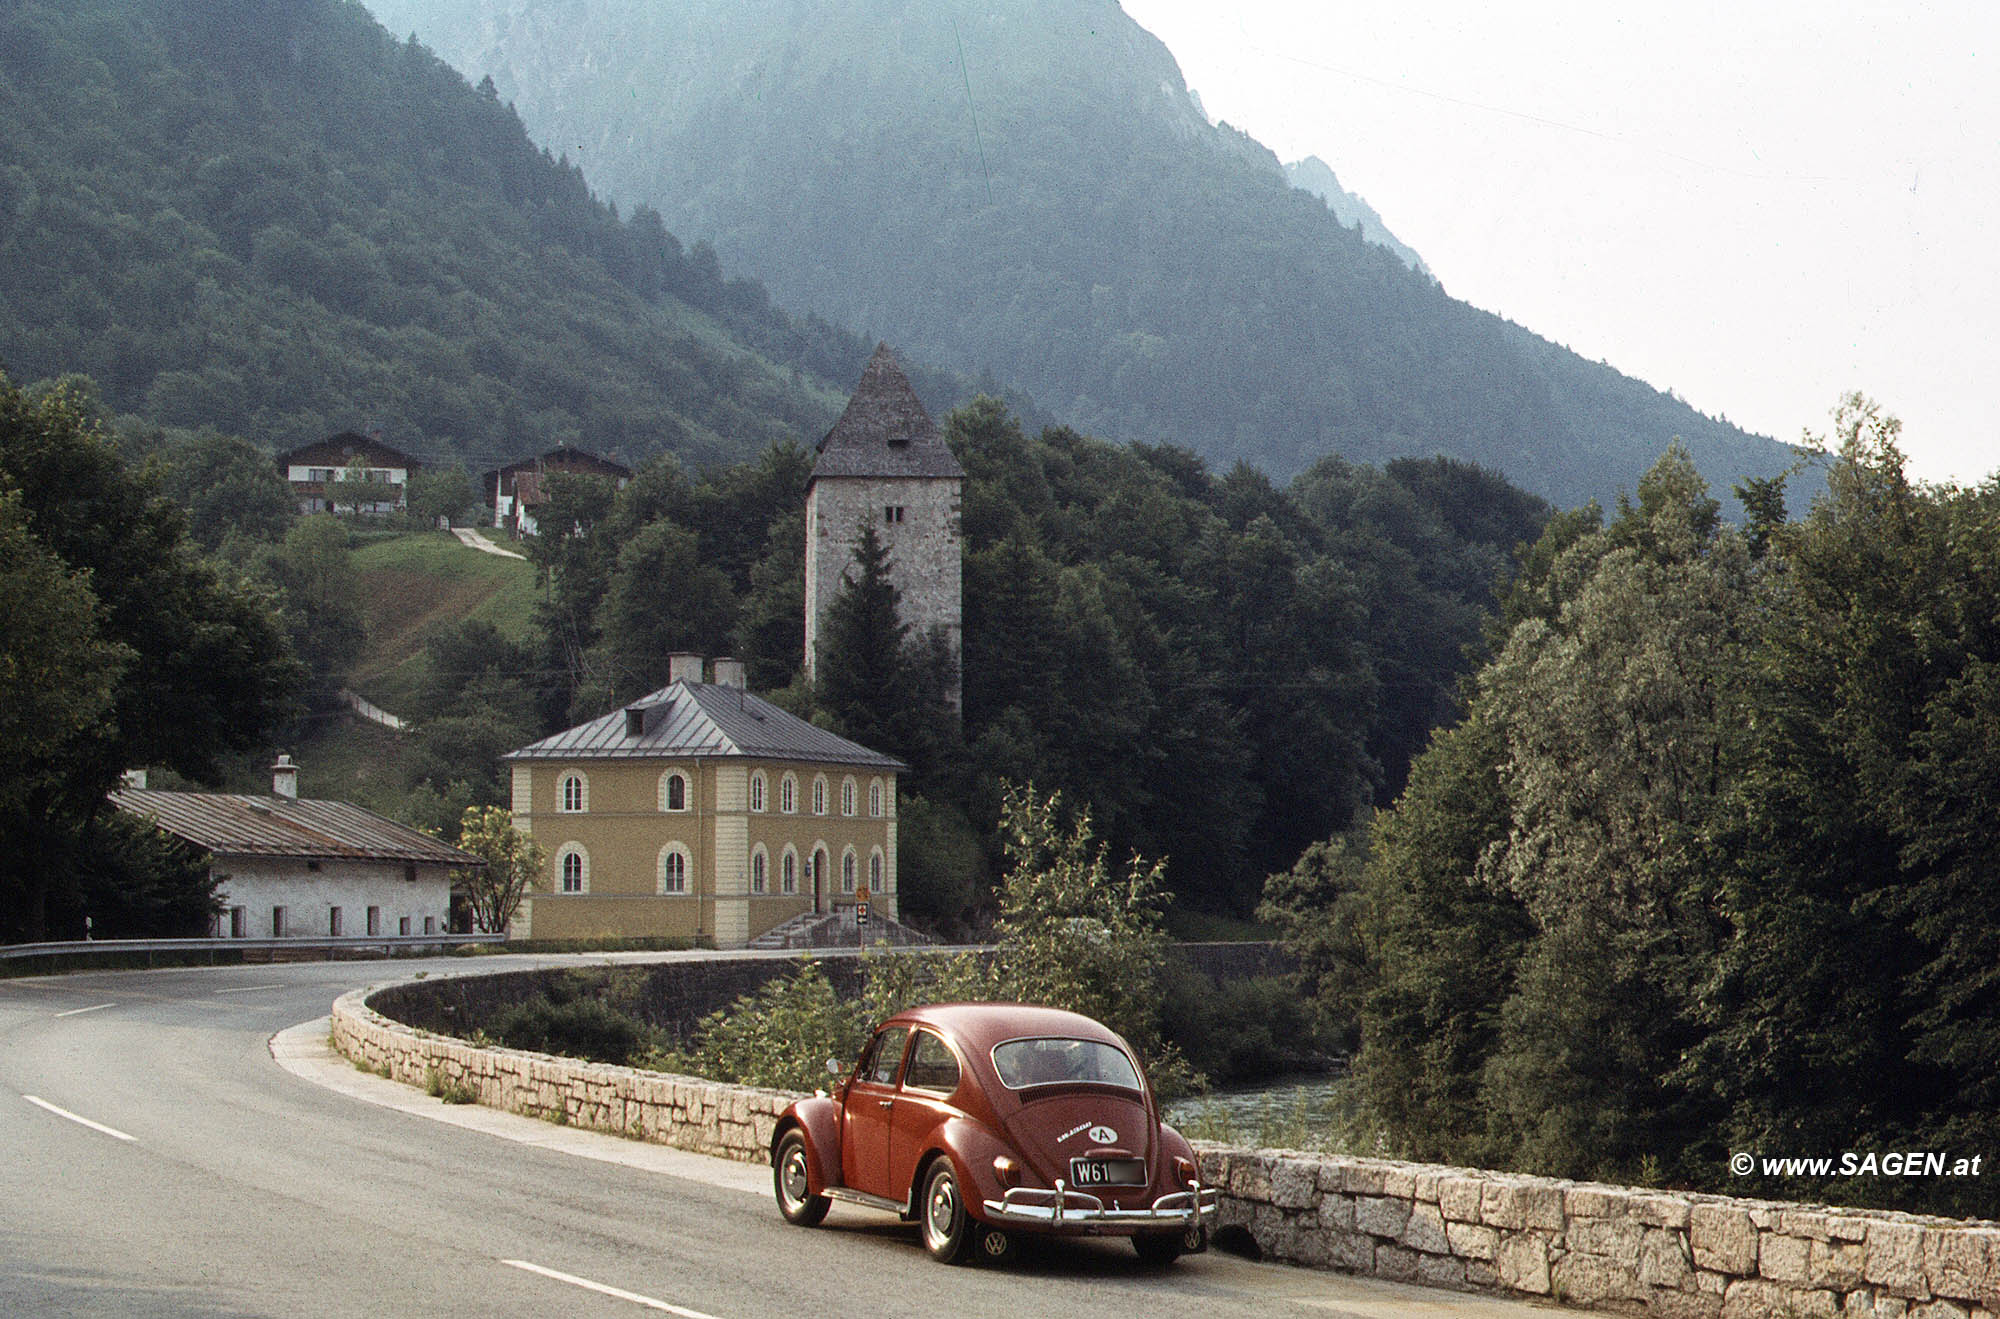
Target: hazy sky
<point>1758,205</point>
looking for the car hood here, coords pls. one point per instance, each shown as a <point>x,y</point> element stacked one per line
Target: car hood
<point>1052,1128</point>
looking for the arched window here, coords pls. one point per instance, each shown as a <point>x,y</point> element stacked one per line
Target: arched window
<point>757,791</point>
<point>759,871</point>
<point>875,798</point>
<point>788,794</point>
<point>673,869</point>
<point>673,791</point>
<point>575,793</point>
<point>788,872</point>
<point>847,871</point>
<point>819,795</point>
<point>573,865</point>
<point>875,870</point>
<point>847,796</point>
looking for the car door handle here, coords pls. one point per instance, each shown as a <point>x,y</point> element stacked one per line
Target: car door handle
<point>886,1103</point>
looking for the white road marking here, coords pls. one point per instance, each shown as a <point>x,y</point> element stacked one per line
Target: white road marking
<point>601,1289</point>
<point>77,1012</point>
<point>81,1121</point>
<point>249,989</point>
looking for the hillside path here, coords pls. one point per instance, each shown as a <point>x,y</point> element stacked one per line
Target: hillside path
<point>477,540</point>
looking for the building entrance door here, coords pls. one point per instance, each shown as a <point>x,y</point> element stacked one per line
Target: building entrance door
<point>819,879</point>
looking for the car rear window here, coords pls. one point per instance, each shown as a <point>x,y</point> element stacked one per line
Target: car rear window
<point>1051,1061</point>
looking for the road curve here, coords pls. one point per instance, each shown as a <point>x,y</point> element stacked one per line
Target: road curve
<point>157,1159</point>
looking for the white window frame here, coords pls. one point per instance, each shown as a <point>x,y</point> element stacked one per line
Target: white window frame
<point>788,872</point>
<point>788,794</point>
<point>875,798</point>
<point>760,871</point>
<point>580,781</point>
<point>757,790</point>
<point>675,871</point>
<point>666,791</point>
<point>850,803</point>
<point>819,794</point>
<point>564,854</point>
<point>850,870</point>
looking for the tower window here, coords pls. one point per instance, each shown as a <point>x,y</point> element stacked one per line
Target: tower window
<point>892,513</point>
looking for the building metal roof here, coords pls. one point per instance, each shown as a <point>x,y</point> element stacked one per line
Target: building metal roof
<point>704,720</point>
<point>885,431</point>
<point>233,824</point>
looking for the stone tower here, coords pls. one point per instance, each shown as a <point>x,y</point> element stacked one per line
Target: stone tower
<point>885,462</point>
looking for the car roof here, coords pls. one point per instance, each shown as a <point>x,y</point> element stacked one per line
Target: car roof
<point>980,1026</point>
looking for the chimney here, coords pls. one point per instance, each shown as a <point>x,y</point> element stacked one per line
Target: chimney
<point>285,778</point>
<point>729,672</point>
<point>683,666</point>
<point>133,778</point>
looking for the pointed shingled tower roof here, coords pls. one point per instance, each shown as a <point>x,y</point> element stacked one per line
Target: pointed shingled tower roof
<point>885,430</point>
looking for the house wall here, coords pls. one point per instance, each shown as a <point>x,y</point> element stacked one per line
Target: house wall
<point>622,832</point>
<point>308,891</point>
<point>925,554</point>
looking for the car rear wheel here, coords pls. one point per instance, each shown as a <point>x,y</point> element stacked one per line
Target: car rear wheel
<point>1166,1247</point>
<point>789,1178</point>
<point>944,1219</point>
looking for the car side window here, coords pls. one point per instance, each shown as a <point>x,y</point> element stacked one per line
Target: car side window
<point>884,1056</point>
<point>932,1066</point>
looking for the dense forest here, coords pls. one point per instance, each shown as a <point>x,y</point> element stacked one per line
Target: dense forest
<point>121,645</point>
<point>1026,187</point>
<point>1223,670</point>
<point>1707,866</point>
<point>275,220</point>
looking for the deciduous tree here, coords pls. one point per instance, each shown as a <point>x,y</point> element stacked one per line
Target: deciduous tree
<point>513,862</point>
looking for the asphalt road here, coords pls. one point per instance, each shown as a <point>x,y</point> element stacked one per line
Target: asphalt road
<point>156,1159</point>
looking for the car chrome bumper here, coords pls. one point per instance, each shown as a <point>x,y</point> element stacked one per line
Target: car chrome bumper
<point>1084,1212</point>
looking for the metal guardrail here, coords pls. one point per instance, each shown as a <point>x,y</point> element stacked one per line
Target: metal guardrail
<point>362,942</point>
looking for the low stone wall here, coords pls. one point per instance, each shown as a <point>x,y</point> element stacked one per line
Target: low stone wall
<point>1675,1255</point>
<point>729,1121</point>
<point>1668,1254</point>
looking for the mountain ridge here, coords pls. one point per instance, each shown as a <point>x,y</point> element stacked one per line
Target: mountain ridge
<point>1030,190</point>
<point>1315,176</point>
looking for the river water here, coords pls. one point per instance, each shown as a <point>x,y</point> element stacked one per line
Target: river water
<point>1314,1112</point>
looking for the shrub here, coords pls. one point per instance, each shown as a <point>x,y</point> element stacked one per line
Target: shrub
<point>577,1028</point>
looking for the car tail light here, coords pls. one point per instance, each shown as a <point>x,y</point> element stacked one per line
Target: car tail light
<point>1185,1170</point>
<point>1008,1171</point>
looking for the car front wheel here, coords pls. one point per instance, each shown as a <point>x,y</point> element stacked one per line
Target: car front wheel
<point>789,1177</point>
<point>944,1217</point>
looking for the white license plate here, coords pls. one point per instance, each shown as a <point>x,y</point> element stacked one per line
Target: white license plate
<point>1107,1172</point>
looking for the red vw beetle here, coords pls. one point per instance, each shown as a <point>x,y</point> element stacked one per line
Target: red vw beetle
<point>980,1120</point>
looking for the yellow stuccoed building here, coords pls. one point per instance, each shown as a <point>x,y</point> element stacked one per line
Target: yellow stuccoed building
<point>702,811</point>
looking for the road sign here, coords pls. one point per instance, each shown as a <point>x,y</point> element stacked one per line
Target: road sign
<point>861,913</point>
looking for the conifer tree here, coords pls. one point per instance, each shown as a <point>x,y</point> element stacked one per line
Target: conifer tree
<point>861,671</point>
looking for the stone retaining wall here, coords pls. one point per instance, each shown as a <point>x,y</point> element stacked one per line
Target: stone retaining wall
<point>729,1121</point>
<point>1675,1255</point>
<point>1668,1254</point>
